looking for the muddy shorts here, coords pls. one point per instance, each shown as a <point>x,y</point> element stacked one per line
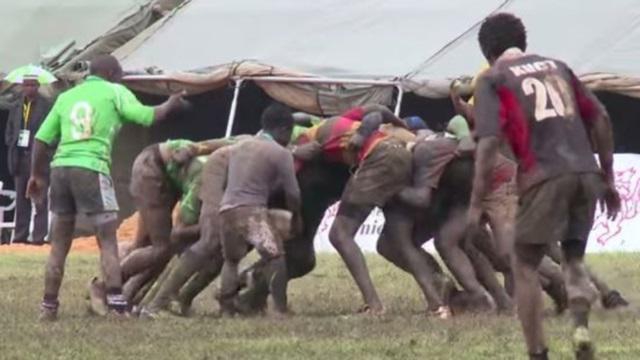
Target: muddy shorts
<point>150,186</point>
<point>76,190</point>
<point>381,175</point>
<point>558,209</point>
<point>431,158</point>
<point>502,202</point>
<point>246,226</point>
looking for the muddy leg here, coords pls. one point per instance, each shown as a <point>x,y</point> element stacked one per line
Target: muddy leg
<point>448,242</point>
<point>341,235</point>
<point>529,295</point>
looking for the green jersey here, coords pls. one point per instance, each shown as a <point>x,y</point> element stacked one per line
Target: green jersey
<point>85,121</point>
<point>189,183</point>
<point>174,170</point>
<point>299,129</point>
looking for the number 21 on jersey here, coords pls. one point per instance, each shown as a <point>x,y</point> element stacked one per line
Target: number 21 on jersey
<point>81,120</point>
<point>553,89</point>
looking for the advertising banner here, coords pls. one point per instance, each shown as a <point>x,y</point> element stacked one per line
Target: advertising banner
<point>621,234</point>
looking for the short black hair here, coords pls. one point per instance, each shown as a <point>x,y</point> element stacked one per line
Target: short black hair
<point>103,63</point>
<point>276,116</point>
<point>500,32</point>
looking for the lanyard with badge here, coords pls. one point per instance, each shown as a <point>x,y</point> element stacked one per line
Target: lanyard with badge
<point>24,134</point>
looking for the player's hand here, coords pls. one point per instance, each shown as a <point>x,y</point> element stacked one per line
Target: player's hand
<point>611,202</point>
<point>178,101</point>
<point>35,189</point>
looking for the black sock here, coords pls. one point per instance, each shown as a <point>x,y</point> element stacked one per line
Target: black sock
<point>116,301</point>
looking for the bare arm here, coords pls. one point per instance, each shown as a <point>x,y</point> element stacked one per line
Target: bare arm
<point>209,146</point>
<point>370,123</point>
<point>603,138</point>
<point>462,107</point>
<point>39,166</point>
<point>40,158</point>
<point>486,153</point>
<point>174,102</point>
<point>291,189</point>
<point>388,117</point>
<point>307,152</point>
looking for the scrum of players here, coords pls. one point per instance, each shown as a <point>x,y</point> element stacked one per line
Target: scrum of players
<point>508,188</point>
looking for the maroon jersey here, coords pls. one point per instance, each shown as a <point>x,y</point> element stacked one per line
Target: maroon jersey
<point>543,111</point>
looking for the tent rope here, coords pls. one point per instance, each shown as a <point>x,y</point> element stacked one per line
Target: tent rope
<point>451,43</point>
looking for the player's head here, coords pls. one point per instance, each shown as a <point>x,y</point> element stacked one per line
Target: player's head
<point>107,67</point>
<point>500,32</point>
<point>30,86</point>
<point>277,120</point>
<point>415,123</point>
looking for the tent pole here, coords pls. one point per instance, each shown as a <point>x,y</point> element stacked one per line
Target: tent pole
<point>315,80</point>
<point>399,100</point>
<point>234,106</point>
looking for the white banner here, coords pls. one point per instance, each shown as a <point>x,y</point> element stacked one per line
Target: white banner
<point>606,235</point>
<point>621,234</point>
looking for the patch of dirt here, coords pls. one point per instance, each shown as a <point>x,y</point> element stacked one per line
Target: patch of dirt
<point>126,233</point>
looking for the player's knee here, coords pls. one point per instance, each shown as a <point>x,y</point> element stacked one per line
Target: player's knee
<point>573,249</point>
<point>443,246</point>
<point>346,223</point>
<point>303,267</point>
<point>102,220</point>
<point>337,233</point>
<point>385,249</point>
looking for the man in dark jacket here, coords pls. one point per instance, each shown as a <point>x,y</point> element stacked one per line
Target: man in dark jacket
<point>25,118</point>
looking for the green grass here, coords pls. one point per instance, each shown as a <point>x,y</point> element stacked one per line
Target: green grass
<point>324,326</point>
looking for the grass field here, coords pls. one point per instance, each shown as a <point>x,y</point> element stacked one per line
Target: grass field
<point>324,326</point>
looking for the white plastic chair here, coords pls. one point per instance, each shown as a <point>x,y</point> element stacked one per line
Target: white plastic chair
<point>6,228</point>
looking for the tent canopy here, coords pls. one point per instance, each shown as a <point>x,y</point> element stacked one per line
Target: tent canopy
<point>422,43</point>
<point>32,29</point>
<point>591,36</point>
<point>363,39</point>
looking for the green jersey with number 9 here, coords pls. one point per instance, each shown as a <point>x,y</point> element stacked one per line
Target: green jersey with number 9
<point>85,121</point>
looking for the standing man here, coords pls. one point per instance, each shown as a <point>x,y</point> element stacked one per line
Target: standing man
<point>85,120</point>
<point>258,168</point>
<point>547,115</point>
<point>25,118</point>
<point>384,168</point>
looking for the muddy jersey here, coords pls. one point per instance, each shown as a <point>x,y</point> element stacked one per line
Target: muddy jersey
<point>257,168</point>
<point>543,111</point>
<point>335,133</point>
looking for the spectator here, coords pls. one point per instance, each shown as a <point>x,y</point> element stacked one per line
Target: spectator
<point>25,118</point>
